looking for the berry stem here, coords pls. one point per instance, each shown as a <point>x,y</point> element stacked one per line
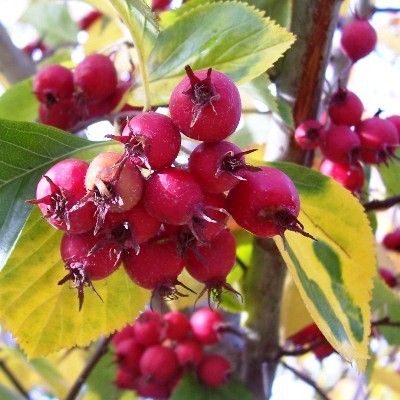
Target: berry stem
<point>101,350</point>
<point>375,205</point>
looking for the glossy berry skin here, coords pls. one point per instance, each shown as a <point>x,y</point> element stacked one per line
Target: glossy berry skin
<point>345,108</point>
<point>159,364</point>
<point>160,5</point>
<point>189,353</point>
<point>340,144</point>
<point>145,268</point>
<point>205,105</point>
<point>308,134</point>
<point>395,120</point>
<point>388,276</point>
<point>214,370</point>
<point>379,139</point>
<point>95,78</point>
<point>124,379</point>
<point>213,166</point>
<point>266,203</point>
<point>148,389</point>
<point>173,196</point>
<point>124,334</point>
<point>151,139</point>
<point>308,334</point>
<point>62,115</point>
<point>351,176</point>
<point>148,328</point>
<point>126,185</point>
<point>205,324</point>
<point>177,325</point>
<point>128,353</point>
<point>211,262</point>
<point>65,188</point>
<point>52,84</point>
<point>358,39</point>
<point>392,240</point>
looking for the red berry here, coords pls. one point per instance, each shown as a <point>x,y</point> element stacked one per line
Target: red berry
<point>351,176</point>
<point>160,5</point>
<point>340,144</point>
<point>159,364</point>
<point>358,39</point>
<point>392,240</point>
<point>85,261</point>
<point>126,333</point>
<point>52,84</point>
<point>61,115</point>
<point>177,325</point>
<point>379,139</point>
<point>388,276</point>
<point>124,379</point>
<point>308,334</point>
<point>308,134</point>
<point>345,108</point>
<point>153,390</point>
<point>60,188</point>
<point>189,353</point>
<point>211,262</point>
<point>128,353</point>
<point>323,351</point>
<point>89,19</point>
<point>215,370</point>
<point>216,166</point>
<point>156,267</point>
<point>205,105</point>
<point>95,78</point>
<point>173,196</point>
<point>36,44</point>
<point>151,140</point>
<point>149,328</point>
<point>205,324</point>
<point>113,185</point>
<point>266,203</point>
<point>395,120</point>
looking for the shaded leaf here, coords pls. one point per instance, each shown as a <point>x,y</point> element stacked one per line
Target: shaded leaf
<point>8,394</point>
<point>390,175</point>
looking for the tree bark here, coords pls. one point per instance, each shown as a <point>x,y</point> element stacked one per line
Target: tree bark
<point>299,82</point>
<point>14,64</point>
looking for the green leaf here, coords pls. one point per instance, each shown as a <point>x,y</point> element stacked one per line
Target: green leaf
<point>44,316</point>
<point>189,387</point>
<point>238,41</point>
<point>278,10</point>
<point>334,273</point>
<point>26,151</point>
<point>286,113</point>
<point>386,303</point>
<point>390,175</point>
<point>19,102</point>
<point>53,21</point>
<point>143,28</point>
<point>8,394</point>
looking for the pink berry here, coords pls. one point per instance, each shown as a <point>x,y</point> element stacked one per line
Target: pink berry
<point>95,78</point>
<point>156,267</point>
<point>126,333</point>
<point>89,19</point>
<point>345,108</point>
<point>216,166</point>
<point>189,353</point>
<point>206,324</point>
<point>395,120</point>
<point>308,134</point>
<point>62,115</point>
<point>266,203</point>
<point>148,328</point>
<point>388,276</point>
<point>211,262</point>
<point>153,390</point>
<point>379,139</point>
<point>159,364</point>
<point>358,39</point>
<point>160,5</point>
<point>52,84</point>
<point>85,261</point>
<point>60,188</point>
<point>215,370</point>
<point>113,185</point>
<point>173,196</point>
<point>351,176</point>
<point>128,353</point>
<point>177,325</point>
<point>340,144</point>
<point>205,105</point>
<point>308,334</point>
<point>392,240</point>
<point>151,140</point>
<point>124,379</point>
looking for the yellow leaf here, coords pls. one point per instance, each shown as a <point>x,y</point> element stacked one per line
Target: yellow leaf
<point>44,316</point>
<point>389,378</point>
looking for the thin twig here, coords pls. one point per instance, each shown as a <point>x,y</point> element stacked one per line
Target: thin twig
<point>301,351</point>
<point>386,9</point>
<point>98,354</point>
<point>386,321</point>
<point>308,158</point>
<point>241,264</point>
<point>306,379</point>
<point>382,204</point>
<point>17,384</point>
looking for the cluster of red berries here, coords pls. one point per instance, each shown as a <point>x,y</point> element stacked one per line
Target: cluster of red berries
<point>347,141</point>
<point>177,215</point>
<point>154,352</point>
<point>67,97</point>
<point>311,338</point>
